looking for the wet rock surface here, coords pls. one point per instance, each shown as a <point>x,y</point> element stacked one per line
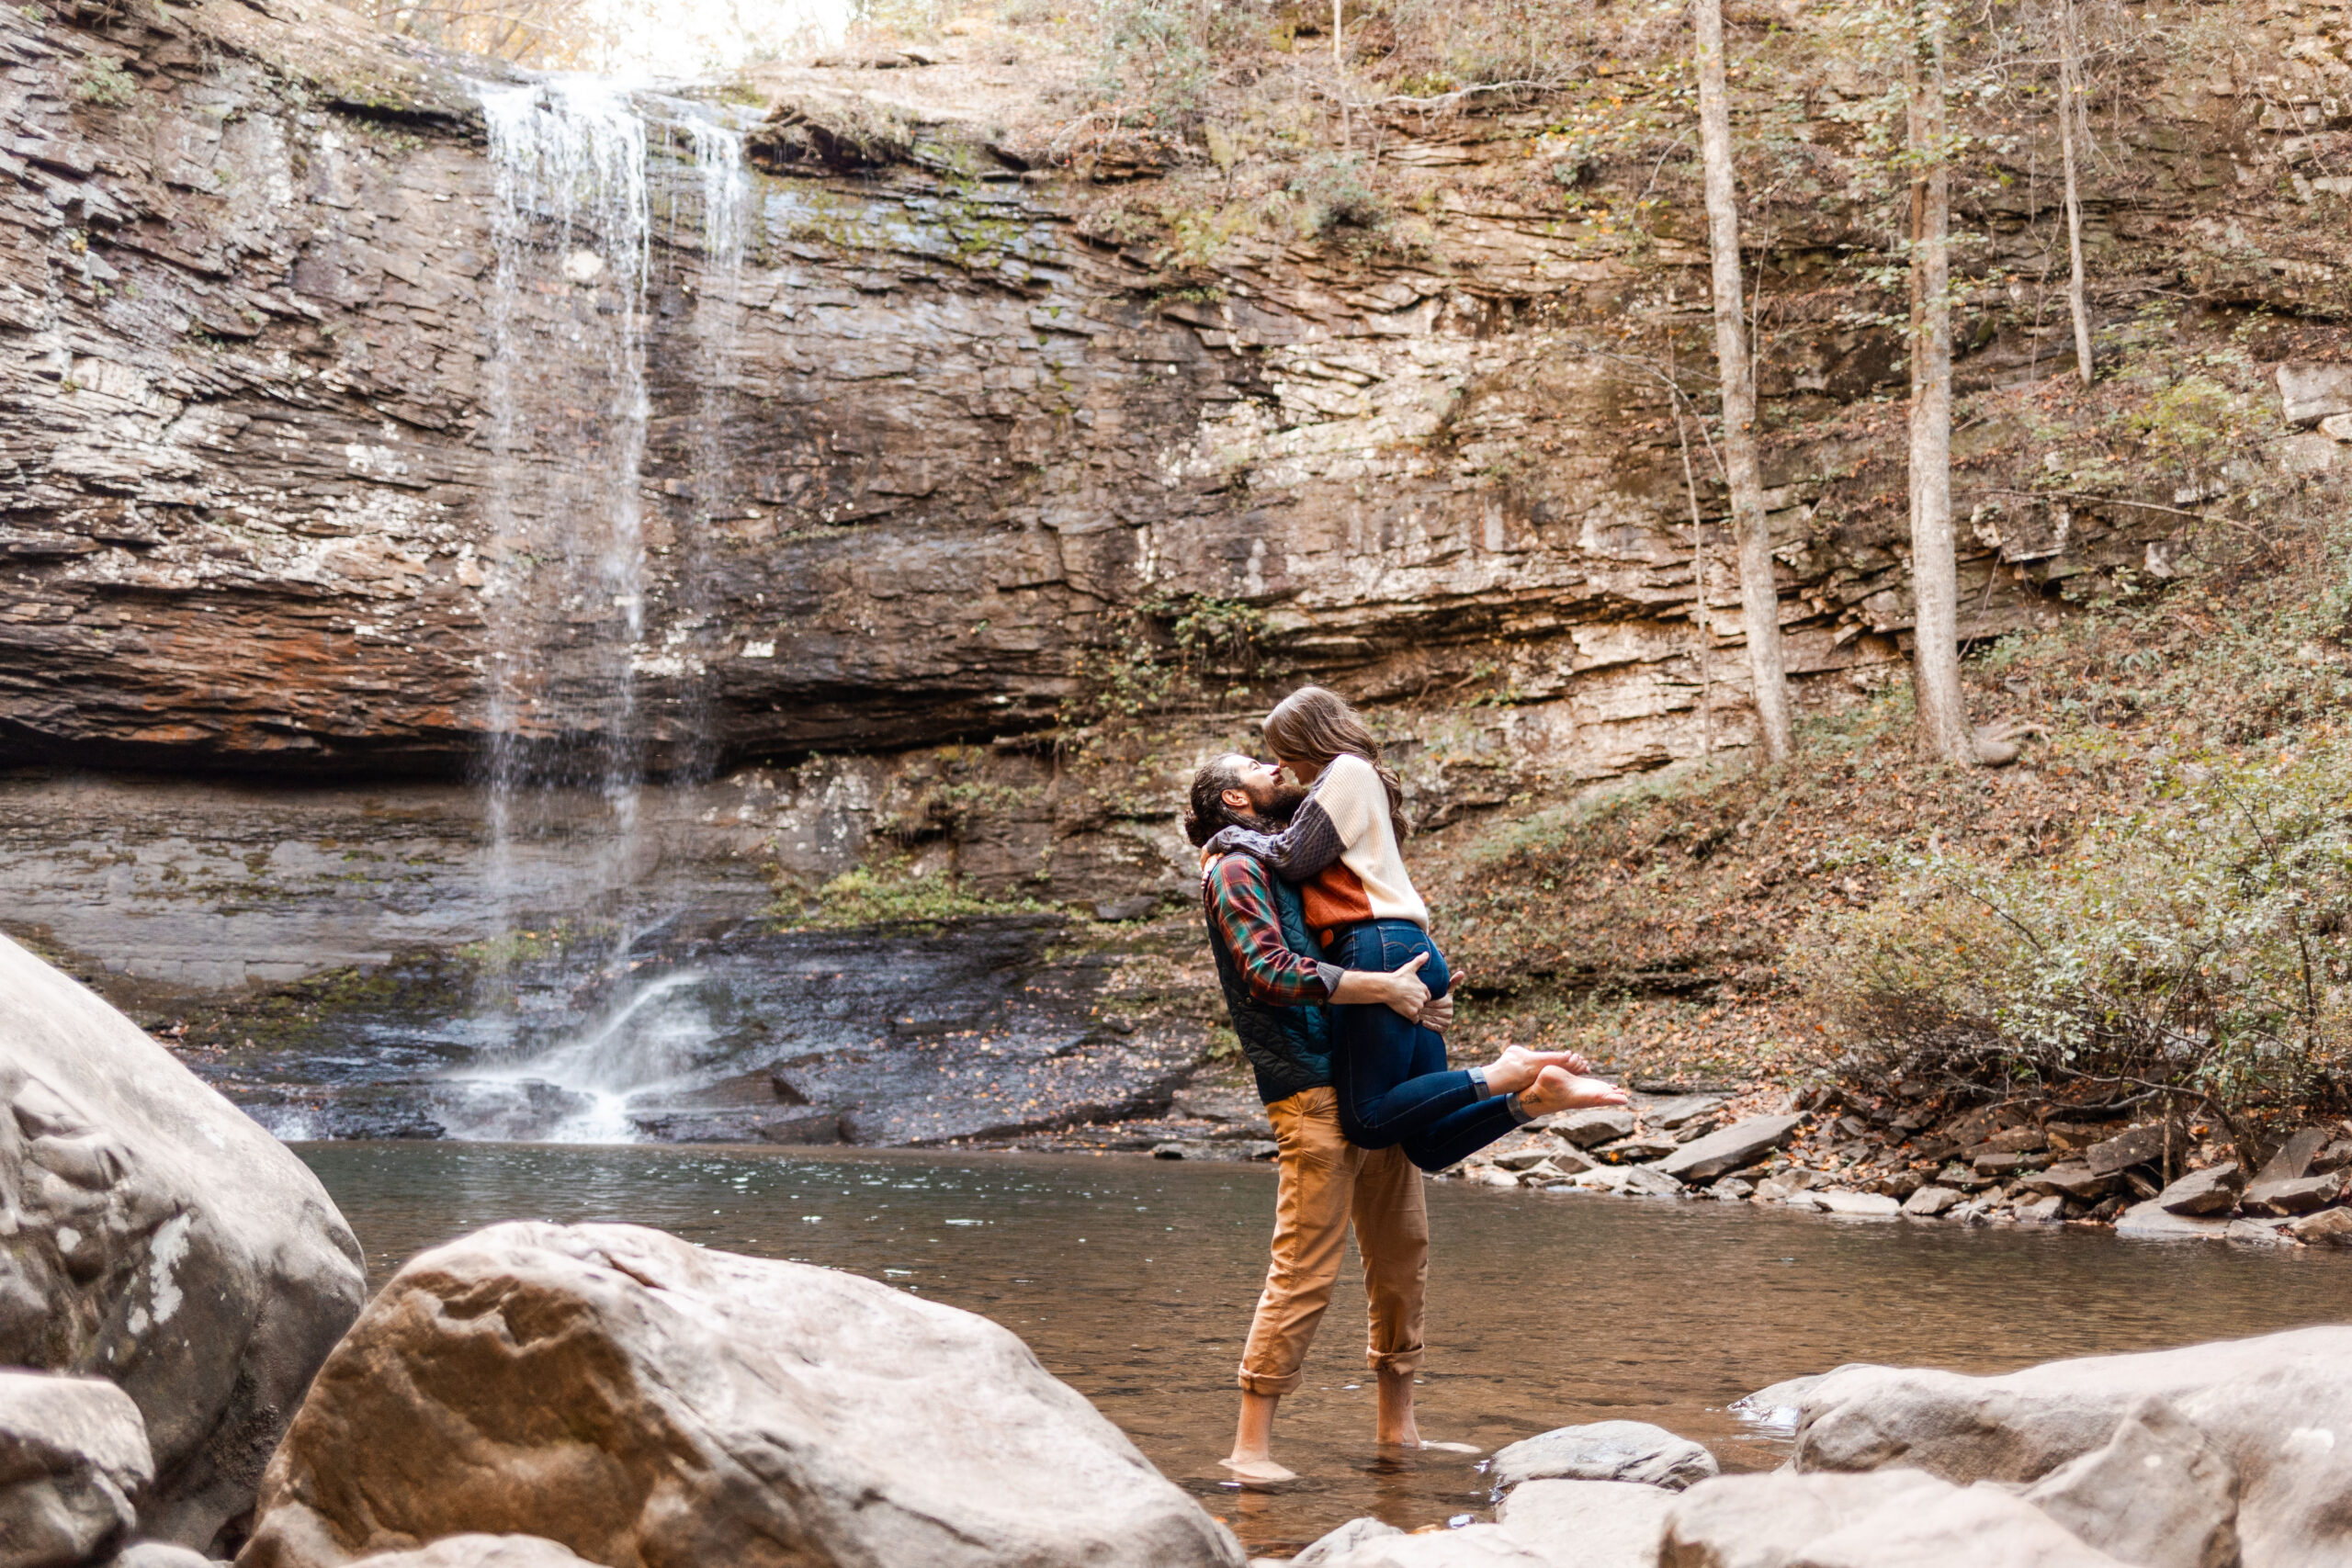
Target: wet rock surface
<point>634,1398</point>
<point>163,1241</point>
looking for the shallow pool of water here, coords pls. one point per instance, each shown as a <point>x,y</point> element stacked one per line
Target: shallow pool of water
<point>1133,1279</point>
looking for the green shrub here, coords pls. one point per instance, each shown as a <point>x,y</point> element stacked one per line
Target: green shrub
<point>1334,194</point>
<point>1156,62</point>
<point>2197,950</point>
<point>103,81</point>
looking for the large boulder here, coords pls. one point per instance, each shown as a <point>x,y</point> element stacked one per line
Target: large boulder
<point>2268,1411</point>
<point>1981,1524</point>
<point>73,1454</point>
<point>1763,1521</point>
<point>2021,1425</point>
<point>638,1399</point>
<point>2161,1493</point>
<point>1587,1524</point>
<point>1604,1451</point>
<point>158,1239</point>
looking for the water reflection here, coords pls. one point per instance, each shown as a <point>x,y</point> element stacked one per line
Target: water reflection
<point>1133,1279</point>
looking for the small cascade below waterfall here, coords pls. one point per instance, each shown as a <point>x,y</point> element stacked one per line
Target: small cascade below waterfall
<point>565,1035</point>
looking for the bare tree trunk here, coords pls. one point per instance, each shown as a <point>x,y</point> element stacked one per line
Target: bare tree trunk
<point>1760,599</point>
<point>2069,106</point>
<point>1944,730</point>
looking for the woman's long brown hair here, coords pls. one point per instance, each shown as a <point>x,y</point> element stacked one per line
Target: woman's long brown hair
<point>1313,725</point>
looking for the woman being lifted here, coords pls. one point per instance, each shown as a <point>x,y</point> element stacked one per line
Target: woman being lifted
<point>1389,1072</point>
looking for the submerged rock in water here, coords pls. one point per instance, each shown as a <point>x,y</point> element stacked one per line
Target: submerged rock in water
<point>637,1399</point>
<point>73,1454</point>
<point>1605,1450</point>
<point>159,1240</point>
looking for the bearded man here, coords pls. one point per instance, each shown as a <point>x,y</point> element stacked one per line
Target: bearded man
<point>1276,988</point>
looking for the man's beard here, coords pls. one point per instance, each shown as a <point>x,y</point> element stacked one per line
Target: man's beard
<point>1274,813</point>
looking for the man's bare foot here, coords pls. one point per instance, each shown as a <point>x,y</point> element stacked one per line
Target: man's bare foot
<point>1517,1067</point>
<point>1258,1472</point>
<point>1555,1089</point>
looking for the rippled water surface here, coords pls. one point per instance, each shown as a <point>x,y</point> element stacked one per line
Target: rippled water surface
<point>1133,1279</point>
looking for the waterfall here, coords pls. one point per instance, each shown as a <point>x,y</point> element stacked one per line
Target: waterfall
<point>562,1031</point>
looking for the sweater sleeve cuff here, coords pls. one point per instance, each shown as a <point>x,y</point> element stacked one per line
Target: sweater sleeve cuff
<point>1330,974</point>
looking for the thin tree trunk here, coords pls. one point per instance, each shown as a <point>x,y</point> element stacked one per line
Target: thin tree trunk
<point>2069,97</point>
<point>1760,599</point>
<point>1944,730</point>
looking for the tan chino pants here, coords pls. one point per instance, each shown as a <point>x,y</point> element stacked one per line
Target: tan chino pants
<point>1326,1182</point>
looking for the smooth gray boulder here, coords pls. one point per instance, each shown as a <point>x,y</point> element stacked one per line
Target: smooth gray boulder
<point>2161,1493</point>
<point>637,1399</point>
<point>479,1551</point>
<point>1338,1543</point>
<point>73,1455</point>
<point>161,1239</point>
<point>1603,1450</point>
<point>1346,1538</point>
<point>1587,1524</point>
<point>1473,1546</point>
<point>1763,1521</point>
<point>1728,1148</point>
<point>2278,1407</point>
<point>2329,1227</point>
<point>1968,1526</point>
<point>2294,1156</point>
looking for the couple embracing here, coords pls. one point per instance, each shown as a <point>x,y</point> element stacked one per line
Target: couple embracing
<point>1341,1003</point>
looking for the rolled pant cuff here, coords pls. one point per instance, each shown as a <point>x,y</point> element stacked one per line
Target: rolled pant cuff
<point>1271,1384</point>
<point>1394,1361</point>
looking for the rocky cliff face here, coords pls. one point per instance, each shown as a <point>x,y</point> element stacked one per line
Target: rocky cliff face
<point>902,475</point>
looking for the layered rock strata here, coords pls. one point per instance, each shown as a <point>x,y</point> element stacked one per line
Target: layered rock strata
<point>951,439</point>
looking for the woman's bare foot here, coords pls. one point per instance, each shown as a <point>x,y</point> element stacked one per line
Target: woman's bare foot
<point>1258,1472</point>
<point>1517,1067</point>
<point>1557,1089</point>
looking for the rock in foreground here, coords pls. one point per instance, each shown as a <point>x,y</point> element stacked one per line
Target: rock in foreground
<point>72,1454</point>
<point>638,1399</point>
<point>161,1240</point>
<point>2131,1453</point>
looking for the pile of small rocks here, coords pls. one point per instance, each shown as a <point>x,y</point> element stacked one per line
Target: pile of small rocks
<point>1997,1164</point>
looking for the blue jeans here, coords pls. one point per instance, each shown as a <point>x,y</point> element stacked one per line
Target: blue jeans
<point>1394,1086</point>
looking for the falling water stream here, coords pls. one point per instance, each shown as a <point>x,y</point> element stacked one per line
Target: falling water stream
<point>564,1044</point>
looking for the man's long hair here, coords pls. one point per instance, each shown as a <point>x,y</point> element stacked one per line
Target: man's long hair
<point>1313,724</point>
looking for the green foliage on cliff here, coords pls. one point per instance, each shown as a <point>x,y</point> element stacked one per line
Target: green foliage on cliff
<point>1170,650</point>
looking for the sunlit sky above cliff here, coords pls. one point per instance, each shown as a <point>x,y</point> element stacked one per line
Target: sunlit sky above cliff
<point>692,38</point>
